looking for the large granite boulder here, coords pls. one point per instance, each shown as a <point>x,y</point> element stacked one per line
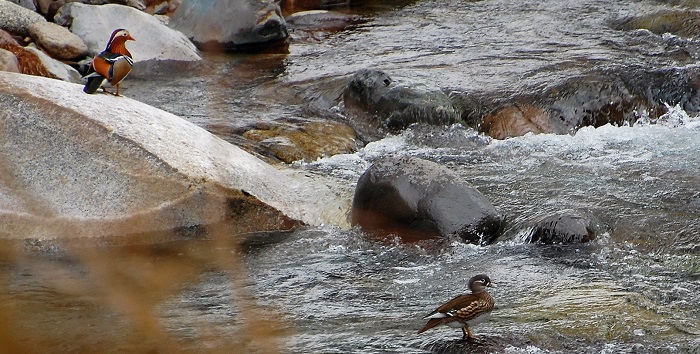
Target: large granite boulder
<point>154,40</point>
<point>220,24</point>
<point>373,98</point>
<point>17,19</point>
<point>417,199</point>
<point>74,165</point>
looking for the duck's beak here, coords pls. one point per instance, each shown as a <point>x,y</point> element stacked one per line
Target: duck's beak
<point>492,285</point>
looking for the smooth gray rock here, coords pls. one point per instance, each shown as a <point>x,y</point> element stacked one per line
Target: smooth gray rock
<point>27,4</point>
<point>58,41</point>
<point>55,68</point>
<point>154,41</point>
<point>217,24</point>
<point>17,19</point>
<point>416,199</point>
<point>8,61</point>
<point>78,165</point>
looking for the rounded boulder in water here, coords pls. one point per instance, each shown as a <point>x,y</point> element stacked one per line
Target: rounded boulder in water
<point>417,199</point>
<point>563,227</point>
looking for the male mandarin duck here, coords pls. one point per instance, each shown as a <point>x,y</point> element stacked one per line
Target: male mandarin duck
<point>113,64</point>
<point>464,310</point>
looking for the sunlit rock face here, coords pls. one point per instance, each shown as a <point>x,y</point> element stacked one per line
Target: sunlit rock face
<point>417,199</point>
<point>154,40</point>
<point>74,165</point>
<point>229,25</point>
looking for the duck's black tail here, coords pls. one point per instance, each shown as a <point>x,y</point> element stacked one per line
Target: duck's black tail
<point>93,83</point>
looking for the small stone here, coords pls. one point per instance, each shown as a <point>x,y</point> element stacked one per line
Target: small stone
<point>8,61</point>
<point>161,9</point>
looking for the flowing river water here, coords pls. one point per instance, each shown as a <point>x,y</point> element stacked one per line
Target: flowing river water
<point>327,289</point>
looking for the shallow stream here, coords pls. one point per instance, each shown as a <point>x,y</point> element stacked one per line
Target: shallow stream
<point>326,289</point>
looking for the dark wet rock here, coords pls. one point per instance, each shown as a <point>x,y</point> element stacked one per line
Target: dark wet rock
<point>485,344</point>
<point>374,100</point>
<point>563,227</point>
<point>417,199</point>
<point>216,25</point>
<point>17,19</point>
<point>520,119</point>
<point>685,23</point>
<point>316,25</point>
<point>617,96</point>
<point>49,8</point>
<point>303,141</point>
<point>666,86</point>
<point>321,20</point>
<point>595,101</point>
<point>300,5</point>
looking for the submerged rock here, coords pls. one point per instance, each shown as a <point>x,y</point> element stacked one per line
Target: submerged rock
<point>678,22</point>
<point>77,165</point>
<point>288,5</point>
<point>321,20</point>
<point>373,98</point>
<point>229,25</point>
<point>616,95</point>
<point>417,199</point>
<point>563,227</point>
<point>303,141</point>
<point>520,119</point>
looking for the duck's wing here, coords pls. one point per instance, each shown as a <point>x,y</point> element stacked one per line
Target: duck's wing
<point>449,311</point>
<point>451,307</point>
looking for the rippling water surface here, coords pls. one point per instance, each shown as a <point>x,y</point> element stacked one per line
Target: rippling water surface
<point>635,289</point>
